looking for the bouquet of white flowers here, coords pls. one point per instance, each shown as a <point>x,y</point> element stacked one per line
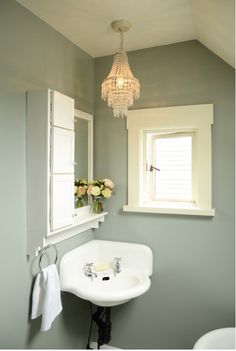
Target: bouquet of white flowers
<point>102,188</point>
<point>99,189</point>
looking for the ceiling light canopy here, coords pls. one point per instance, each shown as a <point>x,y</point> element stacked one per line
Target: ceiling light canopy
<point>120,88</point>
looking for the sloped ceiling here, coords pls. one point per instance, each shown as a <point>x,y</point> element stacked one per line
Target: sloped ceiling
<point>154,22</point>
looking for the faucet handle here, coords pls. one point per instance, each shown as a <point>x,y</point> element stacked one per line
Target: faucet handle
<point>117,259</point>
<point>88,270</point>
<point>88,267</point>
<point>90,264</point>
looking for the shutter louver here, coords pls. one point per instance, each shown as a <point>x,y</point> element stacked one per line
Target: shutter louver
<point>173,156</point>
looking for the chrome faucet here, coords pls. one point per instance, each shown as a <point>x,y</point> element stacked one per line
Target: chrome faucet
<point>88,270</point>
<point>117,266</point>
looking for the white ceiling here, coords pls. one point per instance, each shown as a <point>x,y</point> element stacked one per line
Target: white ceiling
<point>154,22</point>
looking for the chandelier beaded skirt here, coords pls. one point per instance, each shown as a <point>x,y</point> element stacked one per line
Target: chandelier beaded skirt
<point>120,88</point>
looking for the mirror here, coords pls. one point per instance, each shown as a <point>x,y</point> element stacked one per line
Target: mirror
<point>83,146</point>
<point>81,149</point>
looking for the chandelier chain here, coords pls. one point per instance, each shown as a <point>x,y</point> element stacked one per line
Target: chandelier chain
<point>121,39</point>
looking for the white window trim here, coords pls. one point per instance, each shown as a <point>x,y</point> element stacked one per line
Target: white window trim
<point>180,118</point>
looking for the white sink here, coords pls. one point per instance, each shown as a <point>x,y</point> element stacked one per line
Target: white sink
<point>219,339</point>
<point>107,288</point>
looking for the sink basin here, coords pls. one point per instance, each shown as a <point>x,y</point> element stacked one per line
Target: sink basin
<point>107,288</point>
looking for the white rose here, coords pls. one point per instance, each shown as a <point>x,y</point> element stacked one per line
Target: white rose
<point>108,183</point>
<point>95,190</point>
<point>106,192</point>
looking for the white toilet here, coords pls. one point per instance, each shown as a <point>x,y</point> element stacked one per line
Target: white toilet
<point>219,339</point>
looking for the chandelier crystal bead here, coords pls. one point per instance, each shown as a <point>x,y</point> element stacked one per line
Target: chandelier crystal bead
<point>120,88</point>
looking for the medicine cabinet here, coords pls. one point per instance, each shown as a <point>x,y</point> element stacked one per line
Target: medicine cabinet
<point>52,163</point>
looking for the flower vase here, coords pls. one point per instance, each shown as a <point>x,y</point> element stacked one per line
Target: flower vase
<point>97,205</point>
<point>79,202</point>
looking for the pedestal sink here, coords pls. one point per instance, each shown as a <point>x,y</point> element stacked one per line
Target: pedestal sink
<point>106,287</point>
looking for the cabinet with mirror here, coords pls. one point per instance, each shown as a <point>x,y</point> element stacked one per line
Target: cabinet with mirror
<point>59,148</point>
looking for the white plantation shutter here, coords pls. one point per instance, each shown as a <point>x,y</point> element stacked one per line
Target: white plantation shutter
<point>172,153</point>
<point>173,156</point>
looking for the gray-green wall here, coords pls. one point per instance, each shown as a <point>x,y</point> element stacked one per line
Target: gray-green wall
<point>193,282</point>
<point>192,288</point>
<point>33,56</point>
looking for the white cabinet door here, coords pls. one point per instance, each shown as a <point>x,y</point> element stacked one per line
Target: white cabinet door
<point>62,150</point>
<point>62,201</point>
<point>62,111</point>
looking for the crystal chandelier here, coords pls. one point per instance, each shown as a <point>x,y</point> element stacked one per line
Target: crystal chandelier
<point>120,88</point>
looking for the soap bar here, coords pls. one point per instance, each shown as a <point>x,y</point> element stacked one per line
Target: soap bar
<point>102,267</point>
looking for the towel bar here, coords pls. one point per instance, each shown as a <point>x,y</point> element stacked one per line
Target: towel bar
<point>43,252</point>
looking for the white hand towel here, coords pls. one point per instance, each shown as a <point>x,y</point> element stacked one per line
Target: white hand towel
<point>46,299</point>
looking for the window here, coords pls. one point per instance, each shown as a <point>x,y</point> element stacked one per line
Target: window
<point>170,160</point>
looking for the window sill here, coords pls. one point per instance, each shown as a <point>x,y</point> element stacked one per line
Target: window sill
<point>84,220</point>
<point>170,208</point>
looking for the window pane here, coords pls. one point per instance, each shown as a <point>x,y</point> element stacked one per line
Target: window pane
<point>173,156</point>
